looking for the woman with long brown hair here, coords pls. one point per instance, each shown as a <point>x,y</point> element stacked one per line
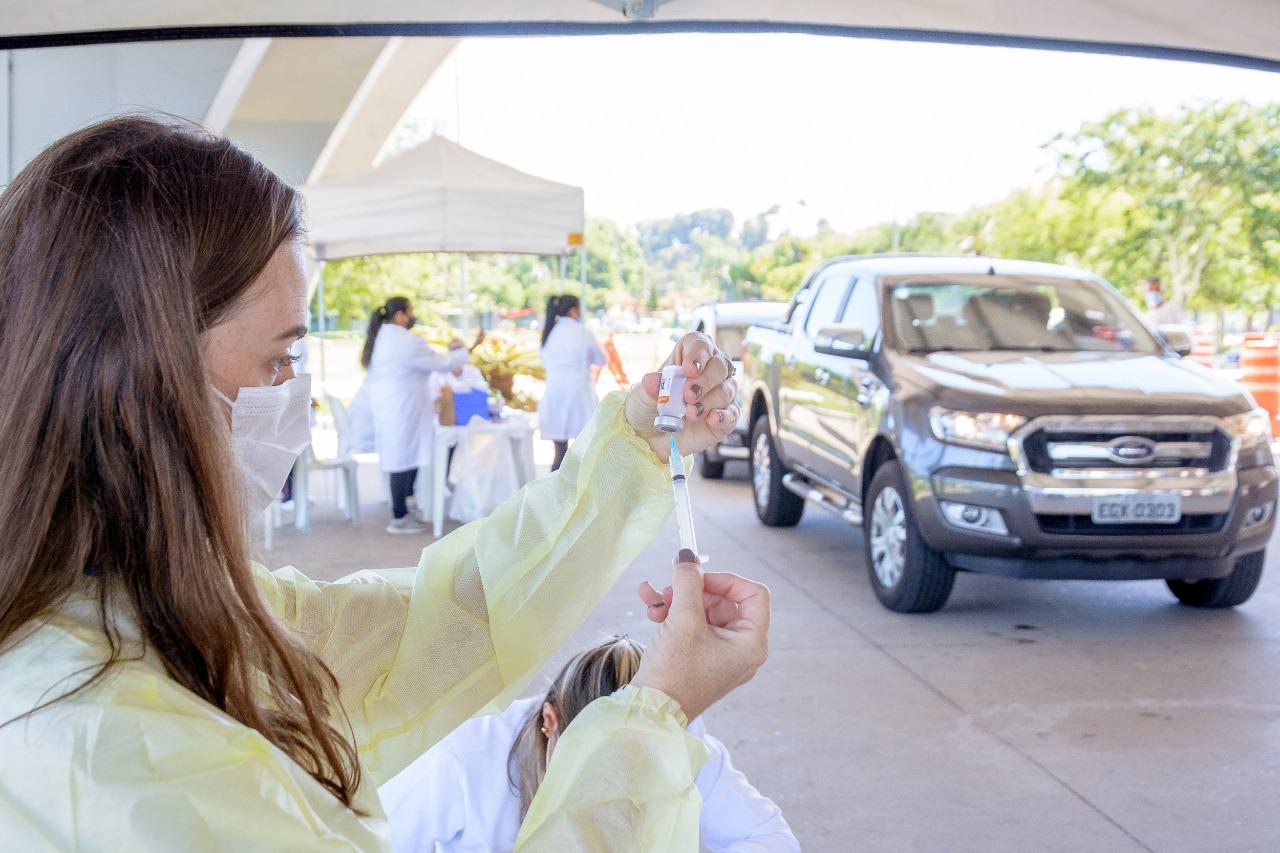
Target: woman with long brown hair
<point>157,688</point>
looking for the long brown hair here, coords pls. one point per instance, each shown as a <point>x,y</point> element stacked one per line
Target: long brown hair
<point>119,245</point>
<point>598,671</point>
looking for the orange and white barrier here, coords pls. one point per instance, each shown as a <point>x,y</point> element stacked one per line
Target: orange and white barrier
<point>1204,345</point>
<point>1260,368</point>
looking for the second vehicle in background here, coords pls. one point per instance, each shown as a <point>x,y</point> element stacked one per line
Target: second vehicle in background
<point>727,324</point>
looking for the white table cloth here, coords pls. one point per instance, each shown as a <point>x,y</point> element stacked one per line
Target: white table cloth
<point>515,425</point>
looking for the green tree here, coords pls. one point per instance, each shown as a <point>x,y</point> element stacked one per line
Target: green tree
<point>1202,186</point>
<point>616,266</point>
<point>355,286</point>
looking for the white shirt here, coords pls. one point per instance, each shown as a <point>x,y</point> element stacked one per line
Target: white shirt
<point>457,797</point>
<point>471,379</point>
<point>1166,314</point>
<point>570,395</point>
<point>397,396</point>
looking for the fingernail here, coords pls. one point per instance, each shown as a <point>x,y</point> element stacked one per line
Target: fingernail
<point>696,389</point>
<point>699,407</point>
<point>686,556</point>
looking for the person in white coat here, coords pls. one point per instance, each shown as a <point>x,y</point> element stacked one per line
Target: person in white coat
<point>568,353</point>
<point>471,790</point>
<point>400,365</point>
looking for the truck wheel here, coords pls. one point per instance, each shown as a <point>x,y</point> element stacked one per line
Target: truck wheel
<point>1234,589</point>
<point>710,469</point>
<point>775,505</point>
<point>907,575</point>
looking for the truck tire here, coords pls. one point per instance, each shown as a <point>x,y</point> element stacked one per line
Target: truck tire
<point>775,505</point>
<point>1230,591</point>
<point>906,574</point>
<point>708,468</point>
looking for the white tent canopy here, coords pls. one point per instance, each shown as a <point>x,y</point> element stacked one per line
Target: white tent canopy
<point>441,197</point>
<point>1239,32</point>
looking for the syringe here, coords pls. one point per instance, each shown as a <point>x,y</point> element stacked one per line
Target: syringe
<point>684,511</point>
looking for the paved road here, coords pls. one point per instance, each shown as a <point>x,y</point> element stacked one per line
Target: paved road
<point>1026,716</point>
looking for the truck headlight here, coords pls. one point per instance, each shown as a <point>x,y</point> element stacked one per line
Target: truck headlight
<point>1253,429</point>
<point>986,430</point>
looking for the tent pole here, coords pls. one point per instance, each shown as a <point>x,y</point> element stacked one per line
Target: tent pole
<point>462,291</point>
<point>320,318</point>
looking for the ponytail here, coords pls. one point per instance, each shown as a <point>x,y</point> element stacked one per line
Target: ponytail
<point>553,311</point>
<point>599,671</point>
<point>557,307</point>
<point>379,316</point>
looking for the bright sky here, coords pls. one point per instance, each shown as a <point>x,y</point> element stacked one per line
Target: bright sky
<point>861,131</point>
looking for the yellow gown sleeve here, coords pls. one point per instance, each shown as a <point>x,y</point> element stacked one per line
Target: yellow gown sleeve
<point>621,778</point>
<point>418,651</point>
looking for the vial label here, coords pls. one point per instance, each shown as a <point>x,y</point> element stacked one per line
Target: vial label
<point>670,399</point>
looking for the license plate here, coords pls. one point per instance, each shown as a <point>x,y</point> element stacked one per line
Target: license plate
<point>1138,509</point>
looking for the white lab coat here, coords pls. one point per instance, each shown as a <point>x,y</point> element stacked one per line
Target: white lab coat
<point>457,795</point>
<point>398,396</point>
<point>570,396</point>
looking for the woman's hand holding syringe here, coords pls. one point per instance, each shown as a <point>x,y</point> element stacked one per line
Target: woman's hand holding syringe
<point>714,631</point>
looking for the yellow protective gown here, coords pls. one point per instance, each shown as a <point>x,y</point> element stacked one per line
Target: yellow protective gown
<point>136,762</point>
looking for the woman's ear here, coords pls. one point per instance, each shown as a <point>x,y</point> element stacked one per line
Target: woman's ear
<point>550,720</point>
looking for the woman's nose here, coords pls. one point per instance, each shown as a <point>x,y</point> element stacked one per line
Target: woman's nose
<point>286,373</point>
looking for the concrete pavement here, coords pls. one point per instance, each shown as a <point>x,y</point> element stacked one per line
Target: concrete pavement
<point>1025,716</point>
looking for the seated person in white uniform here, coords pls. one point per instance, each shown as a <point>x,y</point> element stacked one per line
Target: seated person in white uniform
<point>470,791</point>
<point>466,377</point>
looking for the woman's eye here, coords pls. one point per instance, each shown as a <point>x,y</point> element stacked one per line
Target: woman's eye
<point>286,361</point>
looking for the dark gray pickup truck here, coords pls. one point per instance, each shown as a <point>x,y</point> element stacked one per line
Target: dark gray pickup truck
<point>1007,417</point>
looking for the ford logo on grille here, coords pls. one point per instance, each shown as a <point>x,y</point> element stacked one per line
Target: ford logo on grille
<point>1132,449</point>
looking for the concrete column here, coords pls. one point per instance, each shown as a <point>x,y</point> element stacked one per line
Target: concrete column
<point>53,91</point>
<point>6,164</point>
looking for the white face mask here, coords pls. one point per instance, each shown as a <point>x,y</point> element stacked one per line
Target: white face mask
<point>270,427</point>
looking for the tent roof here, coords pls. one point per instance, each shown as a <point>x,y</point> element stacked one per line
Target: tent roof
<point>441,197</point>
<point>1238,32</point>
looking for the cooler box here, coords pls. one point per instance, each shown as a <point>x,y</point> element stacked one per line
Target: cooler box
<point>468,403</point>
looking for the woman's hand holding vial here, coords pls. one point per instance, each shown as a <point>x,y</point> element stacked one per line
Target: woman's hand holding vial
<point>709,394</point>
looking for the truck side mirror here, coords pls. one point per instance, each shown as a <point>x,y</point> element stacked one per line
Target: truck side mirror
<point>842,339</point>
<point>1177,338</point>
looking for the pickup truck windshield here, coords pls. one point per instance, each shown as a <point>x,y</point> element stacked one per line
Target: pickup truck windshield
<point>982,313</point>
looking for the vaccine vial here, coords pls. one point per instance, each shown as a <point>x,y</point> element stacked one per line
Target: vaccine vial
<point>670,399</point>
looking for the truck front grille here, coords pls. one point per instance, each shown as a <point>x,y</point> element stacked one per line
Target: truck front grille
<point>1068,463</point>
<point>1084,525</point>
<point>1086,448</point>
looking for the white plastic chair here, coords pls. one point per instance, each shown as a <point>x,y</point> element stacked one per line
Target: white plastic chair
<point>344,464</point>
<point>268,519</point>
